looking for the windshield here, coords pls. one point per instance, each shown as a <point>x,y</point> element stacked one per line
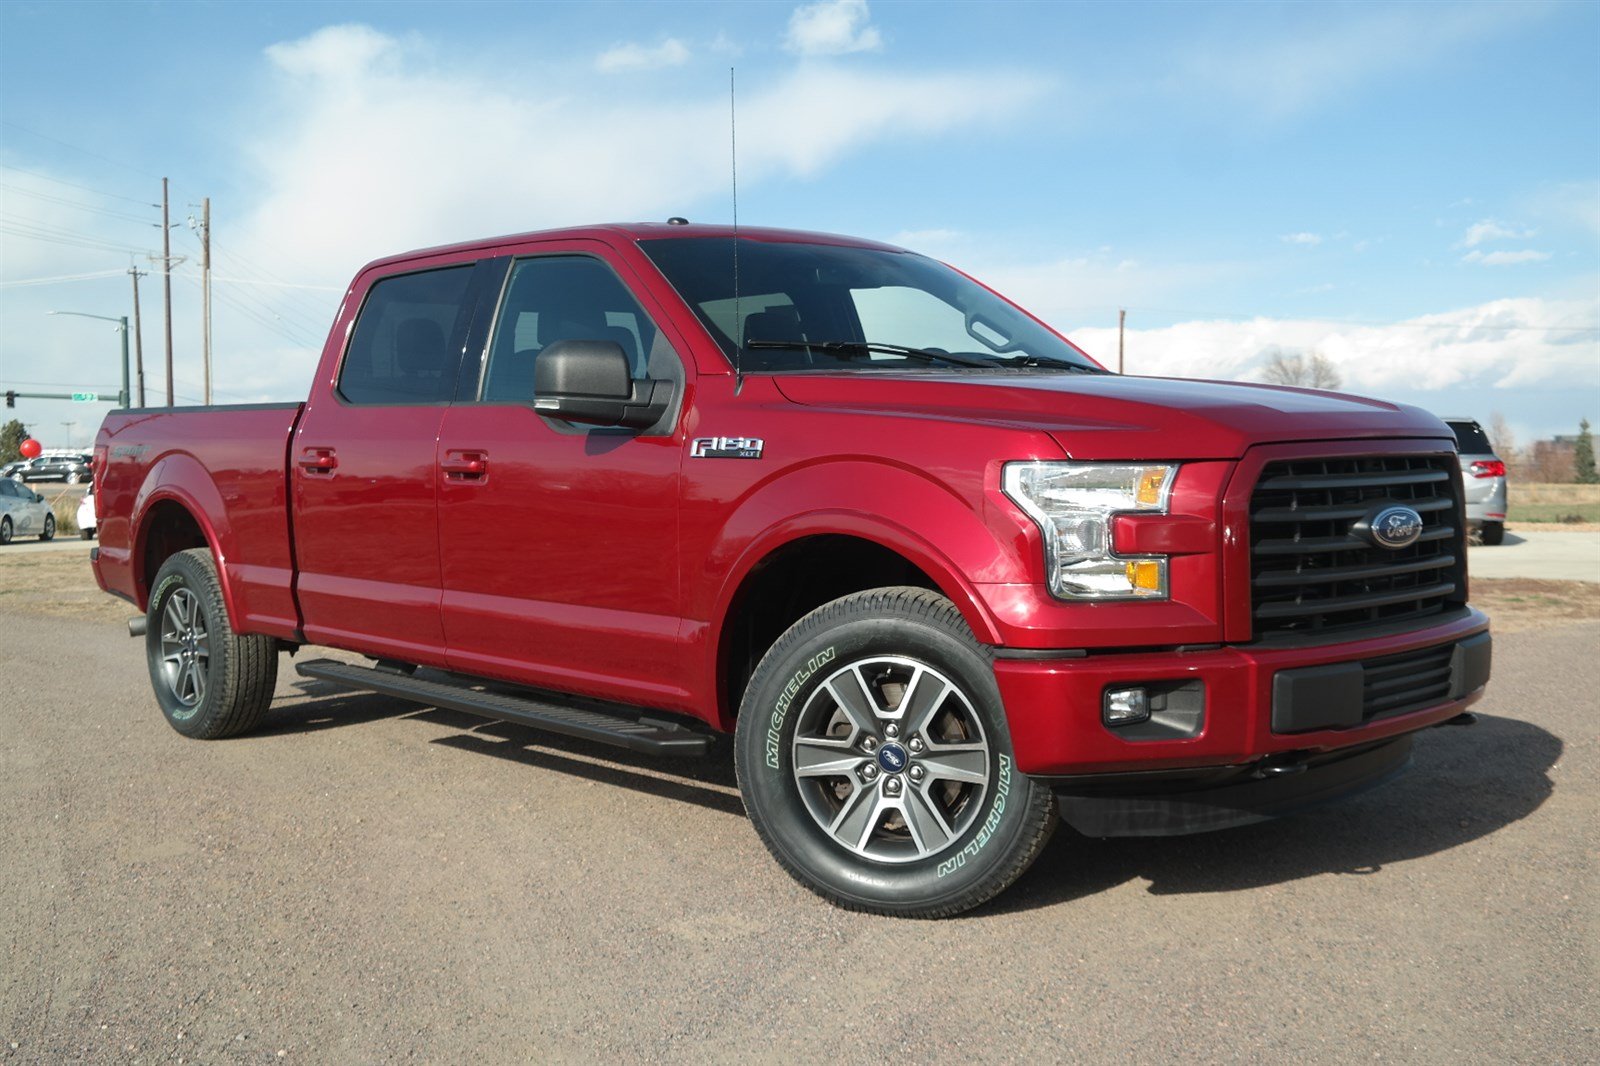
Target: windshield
<point>824,307</point>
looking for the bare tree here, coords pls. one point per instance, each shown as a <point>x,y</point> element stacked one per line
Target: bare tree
<point>1311,371</point>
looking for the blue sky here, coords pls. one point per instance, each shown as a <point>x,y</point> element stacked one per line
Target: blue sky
<point>1413,190</point>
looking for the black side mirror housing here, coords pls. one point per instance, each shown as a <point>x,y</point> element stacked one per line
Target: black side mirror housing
<point>589,382</point>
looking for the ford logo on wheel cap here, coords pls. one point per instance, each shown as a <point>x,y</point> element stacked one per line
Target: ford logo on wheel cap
<point>892,757</point>
<point>1394,527</point>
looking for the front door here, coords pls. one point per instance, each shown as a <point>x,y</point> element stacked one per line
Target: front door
<point>559,543</point>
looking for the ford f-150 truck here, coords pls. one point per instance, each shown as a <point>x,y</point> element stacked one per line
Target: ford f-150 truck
<point>943,577</point>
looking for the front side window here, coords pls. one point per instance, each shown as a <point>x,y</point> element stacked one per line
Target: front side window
<point>558,298</point>
<point>406,346</point>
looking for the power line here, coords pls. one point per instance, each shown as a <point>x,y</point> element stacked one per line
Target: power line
<point>75,185</point>
<point>18,190</point>
<point>77,148</point>
<point>60,278</point>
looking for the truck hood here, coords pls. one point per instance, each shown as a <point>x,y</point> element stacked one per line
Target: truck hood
<point>1109,416</point>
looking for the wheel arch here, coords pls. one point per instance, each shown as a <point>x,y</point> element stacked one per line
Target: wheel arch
<point>172,513</point>
<point>785,574</point>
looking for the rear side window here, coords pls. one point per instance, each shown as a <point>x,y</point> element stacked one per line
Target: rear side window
<point>1471,439</point>
<point>406,348</point>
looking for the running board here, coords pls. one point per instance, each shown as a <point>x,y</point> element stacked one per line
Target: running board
<point>628,728</point>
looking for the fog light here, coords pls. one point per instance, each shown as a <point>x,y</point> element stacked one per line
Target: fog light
<point>1125,706</point>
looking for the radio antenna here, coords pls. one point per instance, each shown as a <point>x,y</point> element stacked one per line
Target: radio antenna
<point>733,159</point>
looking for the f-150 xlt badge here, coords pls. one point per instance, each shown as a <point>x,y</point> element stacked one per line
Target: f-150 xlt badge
<point>726,448</point>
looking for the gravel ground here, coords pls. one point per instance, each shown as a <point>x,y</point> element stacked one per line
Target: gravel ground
<point>367,882</point>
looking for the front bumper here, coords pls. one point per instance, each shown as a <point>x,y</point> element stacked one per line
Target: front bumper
<point>1053,705</point>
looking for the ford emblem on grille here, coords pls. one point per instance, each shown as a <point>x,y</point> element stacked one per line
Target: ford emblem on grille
<point>1393,527</point>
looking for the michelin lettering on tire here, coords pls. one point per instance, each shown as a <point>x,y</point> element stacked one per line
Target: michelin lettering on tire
<point>990,824</point>
<point>780,709</point>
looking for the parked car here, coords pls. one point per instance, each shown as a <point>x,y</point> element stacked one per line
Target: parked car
<point>1483,479</point>
<point>86,514</point>
<point>69,468</point>
<point>23,513</point>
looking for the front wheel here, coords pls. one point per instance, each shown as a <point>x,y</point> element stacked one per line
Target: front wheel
<point>875,762</point>
<point>5,530</point>
<point>49,528</point>
<point>210,681</point>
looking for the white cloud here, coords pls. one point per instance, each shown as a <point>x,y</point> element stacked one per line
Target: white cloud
<point>367,155</point>
<point>1527,255</point>
<point>1491,230</point>
<point>1504,344</point>
<point>631,56</point>
<point>832,27</point>
<point>1309,240</point>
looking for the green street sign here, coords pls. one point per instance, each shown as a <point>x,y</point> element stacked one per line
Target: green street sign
<point>85,397</point>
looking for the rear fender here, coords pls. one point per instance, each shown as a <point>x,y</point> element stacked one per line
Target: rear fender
<point>181,479</point>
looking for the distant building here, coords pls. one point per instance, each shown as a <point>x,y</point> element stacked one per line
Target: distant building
<point>1551,460</point>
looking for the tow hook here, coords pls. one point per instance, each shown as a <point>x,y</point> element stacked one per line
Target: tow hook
<point>137,626</point>
<point>1284,767</point>
<point>1464,718</point>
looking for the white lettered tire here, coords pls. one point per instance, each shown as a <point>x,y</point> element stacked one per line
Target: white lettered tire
<point>875,763</point>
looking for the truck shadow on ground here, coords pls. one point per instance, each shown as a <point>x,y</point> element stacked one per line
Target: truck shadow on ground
<point>705,781</point>
<point>1454,793</point>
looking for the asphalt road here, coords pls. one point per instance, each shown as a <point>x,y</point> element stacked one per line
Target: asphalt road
<point>1551,554</point>
<point>367,882</point>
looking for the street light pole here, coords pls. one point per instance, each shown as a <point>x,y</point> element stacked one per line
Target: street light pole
<point>122,327</point>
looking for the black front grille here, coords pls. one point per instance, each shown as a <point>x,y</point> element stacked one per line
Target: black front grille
<point>1410,681</point>
<point>1310,574</point>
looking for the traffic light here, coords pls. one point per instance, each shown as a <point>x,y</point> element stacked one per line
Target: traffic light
<point>11,398</point>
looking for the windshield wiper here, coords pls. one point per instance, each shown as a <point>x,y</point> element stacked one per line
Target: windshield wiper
<point>849,349</point>
<point>1050,361</point>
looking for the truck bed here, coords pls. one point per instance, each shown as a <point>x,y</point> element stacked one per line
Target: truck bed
<point>226,466</point>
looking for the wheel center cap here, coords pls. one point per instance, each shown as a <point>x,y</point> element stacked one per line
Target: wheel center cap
<point>892,758</point>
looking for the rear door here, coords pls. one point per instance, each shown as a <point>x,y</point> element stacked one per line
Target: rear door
<point>559,542</point>
<point>363,464</point>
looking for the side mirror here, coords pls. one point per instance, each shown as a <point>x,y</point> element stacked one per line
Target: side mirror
<point>589,382</point>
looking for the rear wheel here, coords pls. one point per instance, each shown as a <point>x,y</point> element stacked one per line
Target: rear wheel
<point>875,763</point>
<point>85,534</point>
<point>1494,533</point>
<point>49,528</point>
<point>210,681</point>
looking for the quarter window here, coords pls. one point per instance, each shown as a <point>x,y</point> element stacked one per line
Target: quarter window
<point>406,347</point>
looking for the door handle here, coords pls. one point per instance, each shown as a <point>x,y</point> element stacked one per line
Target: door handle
<point>318,460</point>
<point>465,465</point>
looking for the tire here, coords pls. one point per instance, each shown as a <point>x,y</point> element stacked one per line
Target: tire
<point>210,681</point>
<point>5,530</point>
<point>85,534</point>
<point>1494,533</point>
<point>923,816</point>
<point>49,528</point>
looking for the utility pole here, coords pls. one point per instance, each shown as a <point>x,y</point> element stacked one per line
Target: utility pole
<point>138,334</point>
<point>205,287</point>
<point>1122,320</point>
<point>166,280</point>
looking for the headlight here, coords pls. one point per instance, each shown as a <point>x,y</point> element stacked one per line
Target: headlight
<point>1072,504</point>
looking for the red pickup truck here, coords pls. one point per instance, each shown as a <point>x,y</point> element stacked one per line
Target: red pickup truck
<point>942,576</point>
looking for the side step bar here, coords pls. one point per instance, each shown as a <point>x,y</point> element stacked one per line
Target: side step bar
<point>636,731</point>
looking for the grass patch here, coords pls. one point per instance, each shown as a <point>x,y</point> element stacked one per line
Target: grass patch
<point>1561,513</point>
